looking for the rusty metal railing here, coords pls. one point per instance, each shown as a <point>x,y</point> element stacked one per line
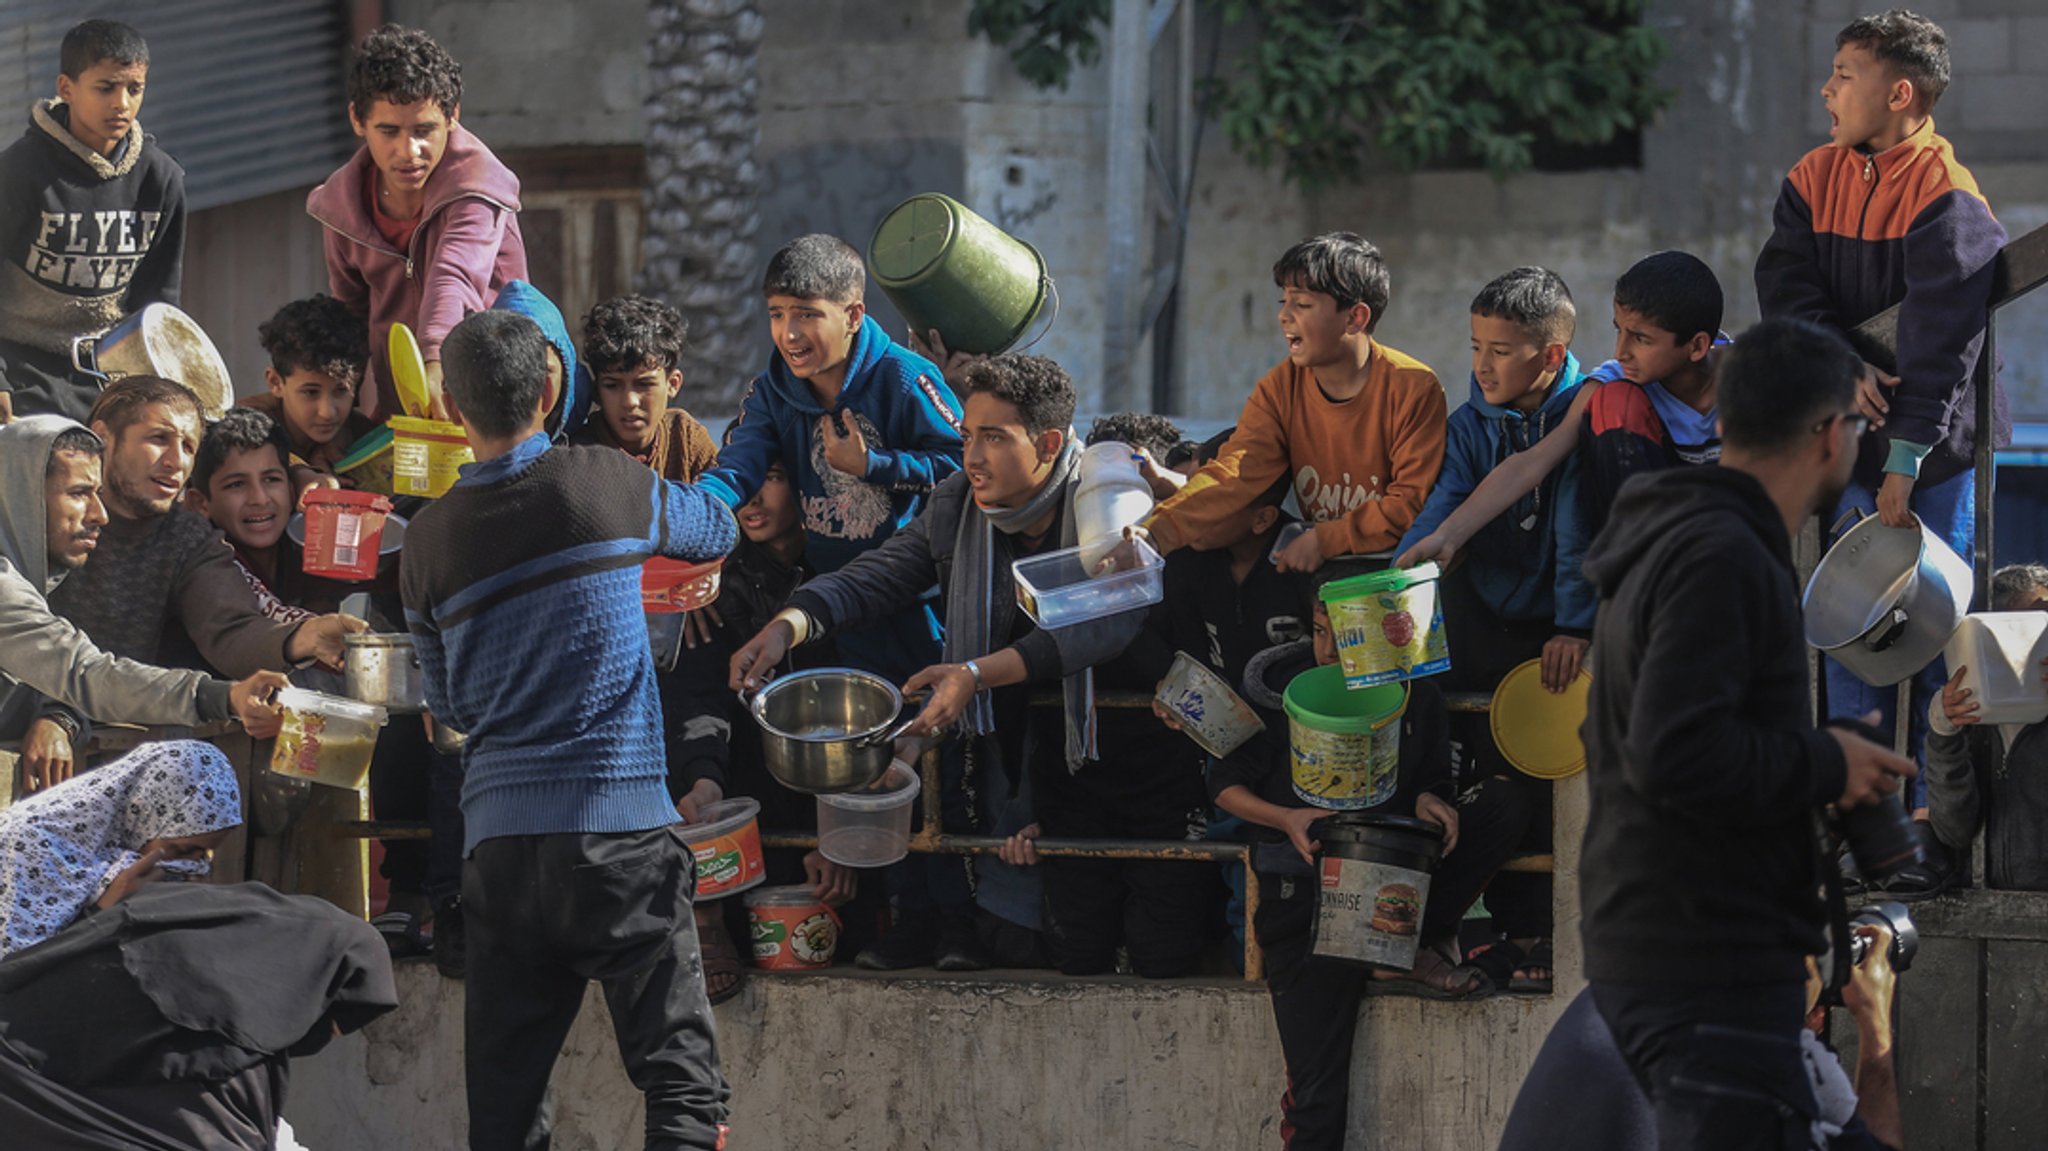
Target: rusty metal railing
<point>930,839</point>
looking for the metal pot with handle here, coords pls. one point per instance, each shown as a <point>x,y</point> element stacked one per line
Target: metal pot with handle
<point>384,669</point>
<point>159,340</point>
<point>1884,601</point>
<point>830,729</point>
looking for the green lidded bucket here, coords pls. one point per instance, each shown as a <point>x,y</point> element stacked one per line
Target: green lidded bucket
<point>1344,746</point>
<point>946,268</point>
<point>1389,625</point>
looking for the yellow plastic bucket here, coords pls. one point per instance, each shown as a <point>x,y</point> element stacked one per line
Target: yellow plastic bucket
<point>1538,731</point>
<point>1344,746</point>
<point>1389,626</point>
<point>425,455</point>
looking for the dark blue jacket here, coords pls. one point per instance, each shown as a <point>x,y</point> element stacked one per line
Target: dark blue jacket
<point>1526,563</point>
<point>911,421</point>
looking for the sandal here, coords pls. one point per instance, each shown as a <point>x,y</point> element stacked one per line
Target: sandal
<point>1433,977</point>
<point>1498,961</point>
<point>724,975</point>
<point>1525,978</point>
<point>402,935</point>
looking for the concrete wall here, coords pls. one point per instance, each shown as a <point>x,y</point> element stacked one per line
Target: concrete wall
<point>850,1060</point>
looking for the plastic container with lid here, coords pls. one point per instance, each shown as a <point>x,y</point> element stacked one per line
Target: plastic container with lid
<point>1389,625</point>
<point>325,738</point>
<point>1374,872</point>
<point>2001,652</point>
<point>1057,590</point>
<point>948,269</point>
<point>870,828</point>
<point>790,929</point>
<point>726,843</point>
<point>1110,494</point>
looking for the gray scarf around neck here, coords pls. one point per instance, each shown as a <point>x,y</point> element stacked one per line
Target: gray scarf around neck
<point>968,606</point>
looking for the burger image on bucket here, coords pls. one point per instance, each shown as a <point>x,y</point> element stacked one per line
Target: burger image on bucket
<point>1397,909</point>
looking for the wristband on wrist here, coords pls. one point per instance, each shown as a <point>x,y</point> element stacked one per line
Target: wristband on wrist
<point>799,622</point>
<point>974,669</point>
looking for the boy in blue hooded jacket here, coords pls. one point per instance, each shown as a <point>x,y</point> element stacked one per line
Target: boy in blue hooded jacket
<point>866,427</point>
<point>1519,592</point>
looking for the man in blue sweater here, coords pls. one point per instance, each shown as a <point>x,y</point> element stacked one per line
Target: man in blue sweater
<point>522,592</point>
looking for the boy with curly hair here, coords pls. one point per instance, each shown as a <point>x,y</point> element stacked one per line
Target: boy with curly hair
<point>422,223</point>
<point>92,221</point>
<point>634,346</point>
<point>318,353</point>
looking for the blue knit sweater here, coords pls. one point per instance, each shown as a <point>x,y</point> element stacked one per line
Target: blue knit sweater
<point>522,592</point>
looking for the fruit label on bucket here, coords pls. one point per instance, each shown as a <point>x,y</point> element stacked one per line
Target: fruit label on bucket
<point>1370,912</point>
<point>1387,636</point>
<point>1343,771</point>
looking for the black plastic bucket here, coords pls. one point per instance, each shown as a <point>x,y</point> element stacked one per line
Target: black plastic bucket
<point>1375,873</point>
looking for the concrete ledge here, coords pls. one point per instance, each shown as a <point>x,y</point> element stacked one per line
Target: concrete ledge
<point>1006,1060</point>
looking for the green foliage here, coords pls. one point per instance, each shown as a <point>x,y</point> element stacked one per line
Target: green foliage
<point>1046,38</point>
<point>1320,87</point>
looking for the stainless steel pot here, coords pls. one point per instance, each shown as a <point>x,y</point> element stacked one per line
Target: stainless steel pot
<point>384,669</point>
<point>159,340</point>
<point>829,729</point>
<point>1884,601</point>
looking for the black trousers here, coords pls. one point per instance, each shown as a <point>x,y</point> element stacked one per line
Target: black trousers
<point>1721,1065</point>
<point>1147,785</point>
<point>1497,817</point>
<point>1315,1005</point>
<point>546,914</point>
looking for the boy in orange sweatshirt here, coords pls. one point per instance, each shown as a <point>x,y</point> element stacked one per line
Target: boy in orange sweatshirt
<point>1358,425</point>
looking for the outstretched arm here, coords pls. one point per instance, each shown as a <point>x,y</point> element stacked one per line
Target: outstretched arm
<point>1507,483</point>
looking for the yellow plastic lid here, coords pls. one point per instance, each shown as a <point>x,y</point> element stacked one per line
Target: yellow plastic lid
<point>408,371</point>
<point>1537,731</point>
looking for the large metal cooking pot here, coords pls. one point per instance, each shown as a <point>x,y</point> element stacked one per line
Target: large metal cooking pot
<point>159,340</point>
<point>1884,601</point>
<point>829,729</point>
<point>383,669</point>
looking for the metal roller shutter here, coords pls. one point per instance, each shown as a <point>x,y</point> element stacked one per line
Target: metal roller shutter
<point>246,94</point>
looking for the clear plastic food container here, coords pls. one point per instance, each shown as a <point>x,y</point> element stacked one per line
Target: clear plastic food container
<point>326,739</point>
<point>1056,590</point>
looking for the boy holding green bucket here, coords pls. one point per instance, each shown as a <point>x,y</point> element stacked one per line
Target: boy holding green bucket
<point>1316,999</point>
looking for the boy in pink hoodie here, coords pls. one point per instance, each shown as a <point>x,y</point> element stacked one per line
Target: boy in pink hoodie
<point>422,222</point>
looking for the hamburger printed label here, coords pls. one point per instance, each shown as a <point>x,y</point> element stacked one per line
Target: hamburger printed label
<point>1370,912</point>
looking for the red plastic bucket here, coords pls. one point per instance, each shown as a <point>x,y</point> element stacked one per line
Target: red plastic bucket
<point>343,531</point>
<point>668,585</point>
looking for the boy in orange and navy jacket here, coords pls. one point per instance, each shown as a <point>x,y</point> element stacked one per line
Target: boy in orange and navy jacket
<point>1358,426</point>
<point>1886,215</point>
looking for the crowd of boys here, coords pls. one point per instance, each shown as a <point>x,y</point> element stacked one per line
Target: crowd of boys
<point>868,507</point>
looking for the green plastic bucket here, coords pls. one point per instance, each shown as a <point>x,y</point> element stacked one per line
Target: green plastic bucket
<point>1389,625</point>
<point>946,268</point>
<point>1344,746</point>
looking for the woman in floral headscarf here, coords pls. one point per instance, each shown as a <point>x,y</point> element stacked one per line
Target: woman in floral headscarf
<point>91,841</point>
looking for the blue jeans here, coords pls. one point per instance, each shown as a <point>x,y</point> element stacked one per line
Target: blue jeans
<point>1949,509</point>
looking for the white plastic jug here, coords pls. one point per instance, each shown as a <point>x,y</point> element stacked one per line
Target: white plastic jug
<point>1109,495</point>
<point>2003,652</point>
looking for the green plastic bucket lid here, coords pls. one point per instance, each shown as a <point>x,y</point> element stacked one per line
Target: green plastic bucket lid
<point>912,239</point>
<point>365,449</point>
<point>1319,699</point>
<point>1372,583</point>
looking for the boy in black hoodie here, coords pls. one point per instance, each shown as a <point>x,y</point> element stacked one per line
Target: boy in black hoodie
<point>92,221</point>
<point>1700,875</point>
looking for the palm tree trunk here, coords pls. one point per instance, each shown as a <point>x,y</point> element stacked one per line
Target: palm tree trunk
<point>698,248</point>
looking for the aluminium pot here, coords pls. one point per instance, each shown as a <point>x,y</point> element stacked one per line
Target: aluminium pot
<point>162,341</point>
<point>1884,601</point>
<point>830,729</point>
<point>383,669</point>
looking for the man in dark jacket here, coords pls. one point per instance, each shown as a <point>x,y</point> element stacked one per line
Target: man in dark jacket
<point>1701,874</point>
<point>1010,502</point>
